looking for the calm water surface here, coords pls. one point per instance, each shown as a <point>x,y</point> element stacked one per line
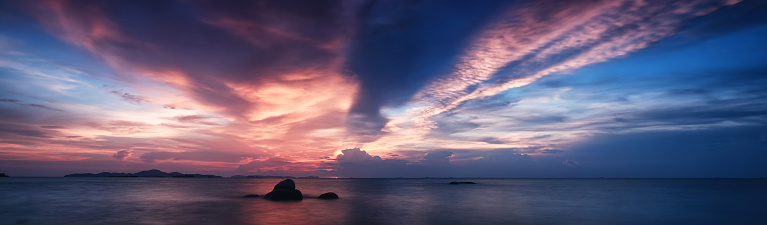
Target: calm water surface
<point>384,201</point>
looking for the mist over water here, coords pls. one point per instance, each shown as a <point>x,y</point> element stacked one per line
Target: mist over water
<point>383,201</point>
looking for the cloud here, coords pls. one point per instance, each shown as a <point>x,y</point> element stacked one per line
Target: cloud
<point>438,157</point>
<point>533,40</point>
<point>122,127</point>
<point>200,155</point>
<point>401,45</point>
<point>270,164</point>
<point>122,154</point>
<point>426,88</point>
<point>31,104</point>
<point>258,43</point>
<point>570,163</point>
<point>492,140</point>
<point>598,35</point>
<point>52,127</point>
<point>552,151</point>
<point>199,119</point>
<point>44,107</point>
<point>8,128</point>
<point>353,155</point>
<point>359,163</point>
<point>726,152</point>
<point>137,99</point>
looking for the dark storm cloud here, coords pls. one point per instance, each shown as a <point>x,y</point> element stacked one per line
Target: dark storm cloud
<point>400,45</point>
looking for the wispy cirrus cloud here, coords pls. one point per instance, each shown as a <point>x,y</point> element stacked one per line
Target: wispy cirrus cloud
<point>532,41</point>
<point>8,100</point>
<point>128,97</point>
<point>559,43</point>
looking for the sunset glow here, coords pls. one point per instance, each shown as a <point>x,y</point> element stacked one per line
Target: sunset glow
<point>626,88</point>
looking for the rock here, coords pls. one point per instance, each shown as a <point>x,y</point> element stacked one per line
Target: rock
<point>287,184</point>
<point>251,196</point>
<point>284,194</point>
<point>329,195</point>
<point>462,182</point>
<point>285,190</point>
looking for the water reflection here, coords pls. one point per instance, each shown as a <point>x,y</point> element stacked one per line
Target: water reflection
<point>382,201</point>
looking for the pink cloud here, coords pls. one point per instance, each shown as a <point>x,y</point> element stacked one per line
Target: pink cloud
<point>122,154</point>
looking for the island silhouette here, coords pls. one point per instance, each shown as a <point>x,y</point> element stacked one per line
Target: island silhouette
<point>146,173</point>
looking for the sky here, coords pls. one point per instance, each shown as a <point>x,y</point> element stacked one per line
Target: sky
<point>399,88</point>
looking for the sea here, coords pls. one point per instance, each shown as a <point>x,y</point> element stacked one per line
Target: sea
<point>383,201</point>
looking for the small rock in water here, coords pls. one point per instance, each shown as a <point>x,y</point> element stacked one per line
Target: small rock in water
<point>462,182</point>
<point>251,196</point>
<point>329,195</point>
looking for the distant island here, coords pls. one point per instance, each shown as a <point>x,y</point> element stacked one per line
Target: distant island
<point>147,173</point>
<point>259,176</point>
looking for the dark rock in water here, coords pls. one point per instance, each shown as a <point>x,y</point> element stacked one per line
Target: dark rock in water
<point>462,182</point>
<point>285,190</point>
<point>329,195</point>
<point>251,196</point>
<point>284,194</point>
<point>287,184</point>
